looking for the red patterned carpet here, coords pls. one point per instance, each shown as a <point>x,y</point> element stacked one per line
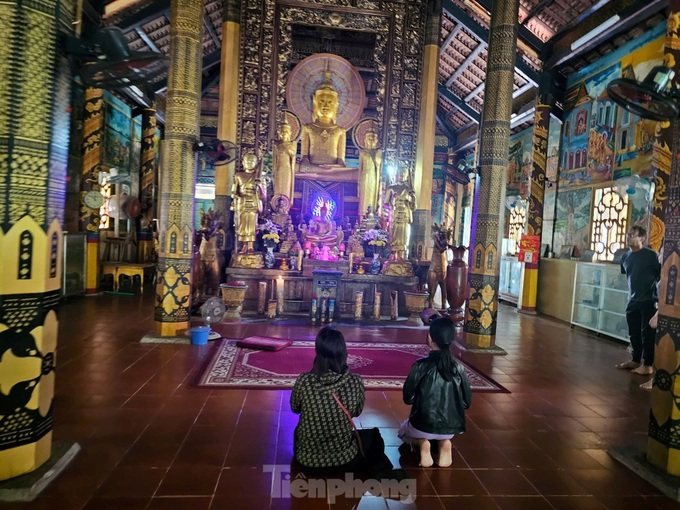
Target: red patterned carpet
<point>382,366</point>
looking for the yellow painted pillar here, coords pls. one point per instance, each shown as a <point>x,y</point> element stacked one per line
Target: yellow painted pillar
<point>92,157</point>
<point>535,214</point>
<point>663,445</point>
<point>35,93</point>
<point>427,121</point>
<point>494,134</point>
<point>178,167</point>
<point>227,119</point>
<point>147,180</point>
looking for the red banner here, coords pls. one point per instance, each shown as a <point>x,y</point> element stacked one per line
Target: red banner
<point>529,248</point>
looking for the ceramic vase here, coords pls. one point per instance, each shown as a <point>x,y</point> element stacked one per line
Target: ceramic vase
<point>457,282</point>
<point>375,264</point>
<point>269,258</point>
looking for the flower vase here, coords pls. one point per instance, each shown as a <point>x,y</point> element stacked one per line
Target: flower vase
<point>375,264</point>
<point>457,284</point>
<point>269,258</point>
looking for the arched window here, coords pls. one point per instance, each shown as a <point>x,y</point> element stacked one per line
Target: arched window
<point>610,213</point>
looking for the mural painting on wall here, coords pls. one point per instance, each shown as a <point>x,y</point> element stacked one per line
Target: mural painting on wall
<point>438,188</point>
<point>520,164</point>
<point>600,141</point>
<point>450,193</point>
<point>548,216</point>
<point>552,164</point>
<point>572,219</point>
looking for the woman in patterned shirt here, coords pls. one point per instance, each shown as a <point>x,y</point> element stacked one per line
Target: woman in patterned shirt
<point>325,442</point>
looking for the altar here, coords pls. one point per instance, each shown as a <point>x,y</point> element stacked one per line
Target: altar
<point>298,289</point>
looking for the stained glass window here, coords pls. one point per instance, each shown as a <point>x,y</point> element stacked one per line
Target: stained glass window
<point>610,216</point>
<point>518,218</point>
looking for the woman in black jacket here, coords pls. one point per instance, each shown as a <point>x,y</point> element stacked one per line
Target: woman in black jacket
<point>438,390</point>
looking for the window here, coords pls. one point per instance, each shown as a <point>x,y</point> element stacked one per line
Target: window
<point>610,214</point>
<point>518,217</point>
<point>623,145</point>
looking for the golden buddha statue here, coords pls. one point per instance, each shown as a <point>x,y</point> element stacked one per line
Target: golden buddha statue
<point>370,161</point>
<point>322,229</point>
<point>283,161</point>
<point>402,199</point>
<point>247,201</point>
<point>323,141</point>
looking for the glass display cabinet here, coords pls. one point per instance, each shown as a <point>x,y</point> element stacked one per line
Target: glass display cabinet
<point>510,279</point>
<point>75,257</point>
<point>600,298</point>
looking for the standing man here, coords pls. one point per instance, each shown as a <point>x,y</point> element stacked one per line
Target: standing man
<point>643,270</point>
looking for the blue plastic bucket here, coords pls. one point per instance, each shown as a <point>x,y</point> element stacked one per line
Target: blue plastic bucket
<point>199,335</point>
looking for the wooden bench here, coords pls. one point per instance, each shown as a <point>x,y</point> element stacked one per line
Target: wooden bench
<point>128,269</point>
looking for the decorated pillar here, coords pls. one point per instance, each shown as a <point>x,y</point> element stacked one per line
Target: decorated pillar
<point>93,154</point>
<point>178,167</point>
<point>227,120</point>
<point>494,135</point>
<point>147,180</point>
<point>535,216</point>
<point>422,218</point>
<point>663,445</point>
<point>35,93</point>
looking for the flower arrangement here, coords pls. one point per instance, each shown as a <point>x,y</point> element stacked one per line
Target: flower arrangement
<point>376,237</point>
<point>270,233</point>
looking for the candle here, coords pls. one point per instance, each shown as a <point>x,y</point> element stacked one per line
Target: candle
<point>376,306</point>
<point>358,304</point>
<point>271,309</point>
<point>331,309</point>
<point>351,257</point>
<point>324,309</point>
<point>261,297</point>
<point>314,305</point>
<point>394,305</point>
<point>299,261</point>
<point>279,295</point>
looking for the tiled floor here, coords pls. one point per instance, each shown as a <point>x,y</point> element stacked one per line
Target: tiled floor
<point>151,441</point>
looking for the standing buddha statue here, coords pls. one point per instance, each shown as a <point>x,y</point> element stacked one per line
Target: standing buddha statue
<point>402,199</point>
<point>247,196</point>
<point>323,141</point>
<point>370,161</point>
<point>283,161</point>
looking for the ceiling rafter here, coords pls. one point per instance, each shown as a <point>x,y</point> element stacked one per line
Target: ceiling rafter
<point>449,38</point>
<point>470,58</point>
<point>458,103</point>
<point>443,124</point>
<point>147,40</point>
<point>207,23</point>
<point>145,15</point>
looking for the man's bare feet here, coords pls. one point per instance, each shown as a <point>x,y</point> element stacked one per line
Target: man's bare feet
<point>648,385</point>
<point>425,455</point>
<point>445,458</point>
<point>643,370</point>
<point>628,365</point>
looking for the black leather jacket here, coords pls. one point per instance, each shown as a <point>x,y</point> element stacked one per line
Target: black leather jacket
<point>438,405</point>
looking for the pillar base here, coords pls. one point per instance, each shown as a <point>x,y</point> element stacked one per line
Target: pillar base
<point>471,342</point>
<point>27,487</point>
<point>634,458</point>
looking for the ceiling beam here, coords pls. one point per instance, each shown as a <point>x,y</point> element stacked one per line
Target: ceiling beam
<point>210,79</point>
<point>482,34</point>
<point>211,31</point>
<point>468,60</point>
<point>536,10</point>
<point>443,125</point>
<point>209,61</point>
<point>523,32</point>
<point>522,90</point>
<point>449,38</point>
<point>631,12</point>
<point>466,109</point>
<point>144,37</point>
<point>474,92</point>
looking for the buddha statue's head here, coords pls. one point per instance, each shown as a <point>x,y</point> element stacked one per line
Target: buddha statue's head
<point>249,162</point>
<point>325,102</point>
<point>285,131</point>
<point>371,139</point>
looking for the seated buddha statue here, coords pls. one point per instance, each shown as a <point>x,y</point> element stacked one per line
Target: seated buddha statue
<point>322,229</point>
<point>323,141</point>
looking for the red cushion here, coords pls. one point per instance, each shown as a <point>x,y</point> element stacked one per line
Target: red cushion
<point>264,343</point>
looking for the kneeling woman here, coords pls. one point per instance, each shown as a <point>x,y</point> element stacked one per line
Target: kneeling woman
<point>326,398</point>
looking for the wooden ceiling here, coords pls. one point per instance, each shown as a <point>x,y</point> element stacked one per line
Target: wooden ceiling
<point>547,29</point>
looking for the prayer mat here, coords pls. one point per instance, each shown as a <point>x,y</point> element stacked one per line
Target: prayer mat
<point>382,366</point>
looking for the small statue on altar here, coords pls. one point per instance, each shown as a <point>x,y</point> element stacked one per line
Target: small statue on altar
<point>339,235</point>
<point>283,161</point>
<point>247,199</point>
<point>281,206</point>
<point>322,228</point>
<point>323,141</point>
<point>289,237</point>
<point>370,161</point>
<point>402,200</point>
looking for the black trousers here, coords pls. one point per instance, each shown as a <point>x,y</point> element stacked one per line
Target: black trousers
<point>642,336</point>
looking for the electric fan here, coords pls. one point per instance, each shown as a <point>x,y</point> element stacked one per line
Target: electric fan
<point>648,99</point>
<point>213,311</point>
<point>637,188</point>
<point>218,152</point>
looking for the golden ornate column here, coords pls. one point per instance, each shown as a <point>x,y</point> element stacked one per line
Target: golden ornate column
<point>427,121</point>
<point>494,135</point>
<point>35,93</point>
<point>663,445</point>
<point>535,219</point>
<point>147,180</point>
<point>178,167</point>
<point>227,120</point>
<point>93,154</point>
